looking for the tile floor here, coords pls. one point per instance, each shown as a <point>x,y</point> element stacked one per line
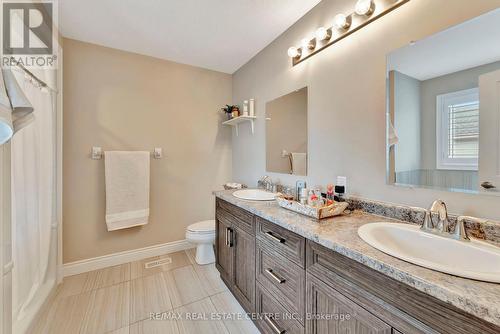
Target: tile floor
<point>120,300</point>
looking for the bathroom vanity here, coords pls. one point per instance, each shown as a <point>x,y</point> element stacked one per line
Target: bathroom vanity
<point>301,276</point>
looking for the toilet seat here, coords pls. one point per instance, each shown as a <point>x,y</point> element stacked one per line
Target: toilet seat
<point>203,227</point>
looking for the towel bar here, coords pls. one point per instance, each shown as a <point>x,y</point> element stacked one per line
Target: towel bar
<point>97,153</point>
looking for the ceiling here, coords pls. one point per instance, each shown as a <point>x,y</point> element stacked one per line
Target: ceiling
<point>467,45</point>
<point>221,35</point>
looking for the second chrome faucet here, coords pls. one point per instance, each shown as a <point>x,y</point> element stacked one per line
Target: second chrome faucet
<point>439,210</point>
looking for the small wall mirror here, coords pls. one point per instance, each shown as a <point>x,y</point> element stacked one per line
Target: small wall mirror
<point>286,134</point>
<point>443,119</point>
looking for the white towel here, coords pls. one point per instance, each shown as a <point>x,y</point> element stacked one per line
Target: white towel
<point>299,163</point>
<point>393,135</point>
<point>127,189</point>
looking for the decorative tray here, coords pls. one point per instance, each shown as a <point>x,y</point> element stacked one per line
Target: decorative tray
<point>335,209</point>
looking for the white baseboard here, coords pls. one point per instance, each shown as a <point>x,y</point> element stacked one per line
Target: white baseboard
<point>114,259</point>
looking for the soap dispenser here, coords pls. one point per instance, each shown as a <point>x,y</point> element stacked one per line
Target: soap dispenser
<point>299,185</point>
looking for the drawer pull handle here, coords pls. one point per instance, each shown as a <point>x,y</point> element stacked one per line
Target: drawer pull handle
<point>273,325</point>
<point>278,279</point>
<point>275,238</point>
<point>229,237</point>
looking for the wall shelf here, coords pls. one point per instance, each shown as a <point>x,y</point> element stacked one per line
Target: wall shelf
<point>241,119</point>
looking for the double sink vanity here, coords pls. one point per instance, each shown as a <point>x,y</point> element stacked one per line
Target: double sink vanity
<point>294,274</point>
<point>380,268</point>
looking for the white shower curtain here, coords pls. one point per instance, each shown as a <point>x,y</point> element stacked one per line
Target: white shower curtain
<point>33,197</point>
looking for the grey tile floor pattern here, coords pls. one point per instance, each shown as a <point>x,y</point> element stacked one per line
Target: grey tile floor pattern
<point>182,296</point>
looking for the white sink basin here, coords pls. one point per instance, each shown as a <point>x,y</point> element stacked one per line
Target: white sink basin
<point>474,259</point>
<point>254,195</point>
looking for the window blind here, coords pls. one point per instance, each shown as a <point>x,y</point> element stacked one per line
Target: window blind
<point>463,130</point>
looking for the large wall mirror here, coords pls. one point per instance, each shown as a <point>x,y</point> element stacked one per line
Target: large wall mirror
<point>443,120</point>
<point>286,134</point>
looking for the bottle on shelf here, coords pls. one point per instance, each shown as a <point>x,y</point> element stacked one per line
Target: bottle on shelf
<point>245,108</point>
<point>251,107</point>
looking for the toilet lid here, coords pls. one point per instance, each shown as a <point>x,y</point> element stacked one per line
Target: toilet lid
<point>205,226</point>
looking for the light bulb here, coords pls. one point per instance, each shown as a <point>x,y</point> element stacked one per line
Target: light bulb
<point>364,7</point>
<point>322,34</point>
<point>341,21</point>
<point>293,52</point>
<point>306,44</point>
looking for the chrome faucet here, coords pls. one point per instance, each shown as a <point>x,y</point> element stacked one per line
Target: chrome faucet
<point>442,227</point>
<point>439,207</point>
<point>266,181</point>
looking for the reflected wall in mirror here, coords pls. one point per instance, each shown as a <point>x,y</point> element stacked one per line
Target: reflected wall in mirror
<point>443,121</point>
<point>286,134</point>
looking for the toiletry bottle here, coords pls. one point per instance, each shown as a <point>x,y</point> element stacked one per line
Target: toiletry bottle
<point>311,197</point>
<point>317,197</point>
<point>299,185</point>
<point>252,107</point>
<point>245,108</point>
<point>330,196</point>
<point>303,196</point>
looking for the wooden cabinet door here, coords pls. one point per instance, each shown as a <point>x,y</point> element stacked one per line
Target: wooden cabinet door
<point>244,268</point>
<point>223,249</point>
<point>329,312</point>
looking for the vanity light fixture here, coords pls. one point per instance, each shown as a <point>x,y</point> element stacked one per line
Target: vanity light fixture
<point>365,12</point>
<point>364,7</point>
<point>341,21</point>
<point>323,34</point>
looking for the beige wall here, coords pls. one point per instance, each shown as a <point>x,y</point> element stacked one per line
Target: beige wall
<point>347,100</point>
<point>124,101</point>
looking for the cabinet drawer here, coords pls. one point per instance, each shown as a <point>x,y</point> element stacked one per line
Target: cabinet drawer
<point>284,279</point>
<point>239,217</point>
<point>277,239</point>
<point>273,317</point>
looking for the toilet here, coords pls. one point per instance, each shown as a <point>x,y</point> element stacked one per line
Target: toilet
<point>203,235</point>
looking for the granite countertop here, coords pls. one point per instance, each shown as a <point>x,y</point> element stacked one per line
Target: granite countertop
<point>340,234</point>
